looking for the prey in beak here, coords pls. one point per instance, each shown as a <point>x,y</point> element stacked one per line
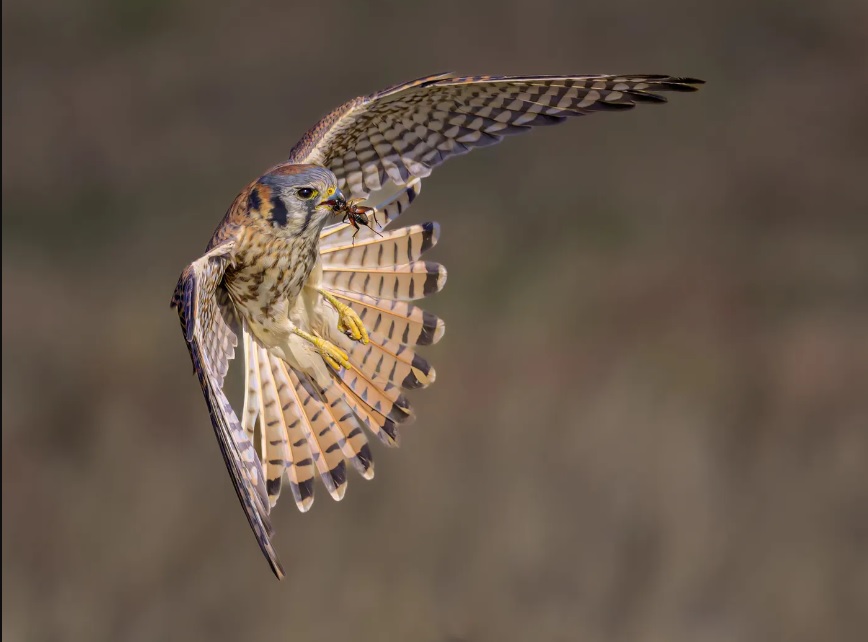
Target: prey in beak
<point>354,214</point>
<point>336,202</point>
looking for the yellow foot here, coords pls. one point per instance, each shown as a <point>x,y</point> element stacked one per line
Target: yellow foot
<point>348,321</point>
<point>332,354</point>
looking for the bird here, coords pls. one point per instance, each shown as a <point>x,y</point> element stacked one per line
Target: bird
<point>322,305</point>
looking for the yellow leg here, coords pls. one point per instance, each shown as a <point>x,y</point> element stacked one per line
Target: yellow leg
<point>332,354</point>
<point>348,321</point>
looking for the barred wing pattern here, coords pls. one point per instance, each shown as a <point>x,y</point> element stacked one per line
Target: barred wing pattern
<point>405,131</point>
<point>307,432</point>
<point>211,343</point>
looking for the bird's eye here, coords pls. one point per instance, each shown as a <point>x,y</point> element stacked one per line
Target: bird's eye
<point>306,193</point>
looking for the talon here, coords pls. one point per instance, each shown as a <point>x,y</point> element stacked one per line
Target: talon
<point>349,322</point>
<point>332,354</point>
<point>351,325</point>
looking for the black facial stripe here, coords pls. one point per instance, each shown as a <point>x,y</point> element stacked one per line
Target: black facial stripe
<point>253,201</point>
<point>307,218</point>
<point>278,211</point>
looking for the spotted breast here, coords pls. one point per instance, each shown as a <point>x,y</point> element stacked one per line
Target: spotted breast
<point>268,276</point>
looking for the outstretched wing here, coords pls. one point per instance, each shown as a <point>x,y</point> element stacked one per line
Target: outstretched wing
<point>212,342</point>
<point>407,130</point>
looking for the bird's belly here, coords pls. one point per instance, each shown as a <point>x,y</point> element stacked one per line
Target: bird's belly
<point>266,298</point>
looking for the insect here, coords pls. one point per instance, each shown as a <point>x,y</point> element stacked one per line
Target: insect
<point>356,215</point>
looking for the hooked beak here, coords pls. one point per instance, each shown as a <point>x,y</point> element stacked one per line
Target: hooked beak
<point>336,202</point>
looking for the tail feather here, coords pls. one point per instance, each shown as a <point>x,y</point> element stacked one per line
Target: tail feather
<point>391,361</point>
<point>320,431</point>
<point>303,429</point>
<point>354,444</point>
<point>274,440</point>
<point>395,247</point>
<point>381,425</point>
<point>376,274</point>
<point>381,396</point>
<point>398,283</point>
<point>250,412</point>
<point>395,320</point>
<point>299,467</point>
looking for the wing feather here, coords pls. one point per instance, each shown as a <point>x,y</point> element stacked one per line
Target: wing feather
<point>205,330</point>
<point>406,130</point>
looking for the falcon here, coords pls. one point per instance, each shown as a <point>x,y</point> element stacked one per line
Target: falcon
<point>321,305</point>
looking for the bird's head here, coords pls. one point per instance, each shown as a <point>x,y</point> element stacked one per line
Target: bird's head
<point>295,200</point>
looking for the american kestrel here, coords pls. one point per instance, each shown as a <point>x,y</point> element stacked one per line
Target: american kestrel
<point>321,303</point>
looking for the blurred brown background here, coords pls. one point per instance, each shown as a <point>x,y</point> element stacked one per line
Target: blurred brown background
<point>651,415</point>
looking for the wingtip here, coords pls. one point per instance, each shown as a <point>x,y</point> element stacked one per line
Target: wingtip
<point>277,569</point>
<point>684,83</point>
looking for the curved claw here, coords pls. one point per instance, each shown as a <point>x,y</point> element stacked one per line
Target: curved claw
<point>349,322</point>
<point>351,325</point>
<point>333,355</point>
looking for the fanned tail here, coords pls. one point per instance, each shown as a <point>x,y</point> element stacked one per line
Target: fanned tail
<point>322,434</point>
<point>307,429</point>
<point>291,444</point>
<point>304,431</point>
<point>376,276</point>
<point>394,362</point>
